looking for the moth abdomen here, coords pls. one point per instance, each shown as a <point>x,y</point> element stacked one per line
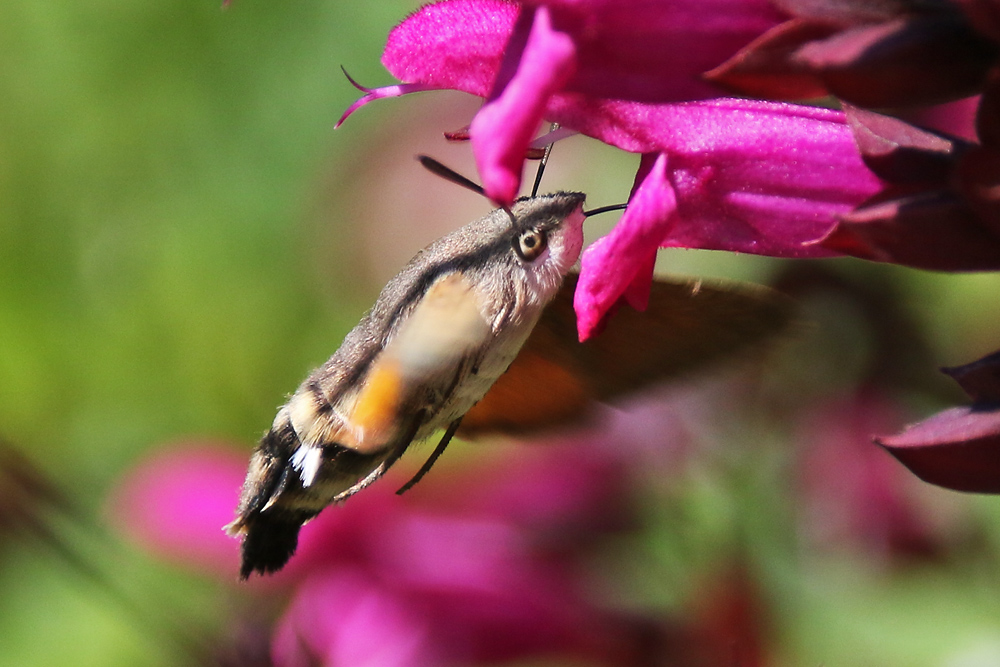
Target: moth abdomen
<point>270,539</point>
<point>275,502</point>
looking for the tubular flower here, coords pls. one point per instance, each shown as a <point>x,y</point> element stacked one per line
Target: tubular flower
<point>738,175</point>
<point>523,57</point>
<point>724,174</point>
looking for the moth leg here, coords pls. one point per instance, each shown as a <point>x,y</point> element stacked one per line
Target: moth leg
<point>432,459</point>
<point>396,451</point>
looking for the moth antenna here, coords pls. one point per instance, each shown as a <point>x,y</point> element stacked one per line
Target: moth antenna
<point>432,459</point>
<point>449,174</point>
<point>543,162</point>
<point>605,209</point>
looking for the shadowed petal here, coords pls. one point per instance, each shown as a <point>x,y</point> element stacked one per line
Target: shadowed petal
<point>931,230</point>
<point>956,119</point>
<point>764,68</point>
<point>958,449</point>
<point>913,60</point>
<point>978,178</point>
<point>980,379</point>
<point>899,152</point>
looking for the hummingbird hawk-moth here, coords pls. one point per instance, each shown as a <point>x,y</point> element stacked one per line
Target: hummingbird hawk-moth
<point>476,334</point>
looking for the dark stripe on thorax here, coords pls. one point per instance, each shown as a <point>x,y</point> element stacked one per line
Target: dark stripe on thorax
<point>458,263</point>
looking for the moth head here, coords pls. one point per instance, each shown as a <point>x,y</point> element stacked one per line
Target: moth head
<point>545,237</point>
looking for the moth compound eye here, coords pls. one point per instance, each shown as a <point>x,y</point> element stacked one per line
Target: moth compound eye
<point>530,244</point>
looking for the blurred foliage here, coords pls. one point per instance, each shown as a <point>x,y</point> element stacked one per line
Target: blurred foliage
<point>157,163</point>
<point>167,170</point>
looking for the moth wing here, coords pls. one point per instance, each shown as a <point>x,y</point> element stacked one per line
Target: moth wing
<point>444,329</point>
<point>687,325</point>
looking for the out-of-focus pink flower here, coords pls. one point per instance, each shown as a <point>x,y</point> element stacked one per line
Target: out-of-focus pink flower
<point>852,492</point>
<point>525,57</point>
<point>465,574</point>
<point>958,448</point>
<point>173,503</point>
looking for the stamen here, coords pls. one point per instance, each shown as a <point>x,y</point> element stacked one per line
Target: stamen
<point>543,162</point>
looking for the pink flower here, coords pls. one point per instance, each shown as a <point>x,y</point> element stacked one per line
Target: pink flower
<point>474,574</point>
<point>737,175</point>
<point>173,503</point>
<point>853,494</point>
<point>725,174</point>
<point>523,58</point>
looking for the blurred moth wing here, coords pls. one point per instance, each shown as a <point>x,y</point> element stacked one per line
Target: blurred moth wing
<point>445,328</point>
<point>687,325</point>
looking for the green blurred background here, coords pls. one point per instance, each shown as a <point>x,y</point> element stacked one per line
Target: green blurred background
<point>162,169</point>
<point>183,235</point>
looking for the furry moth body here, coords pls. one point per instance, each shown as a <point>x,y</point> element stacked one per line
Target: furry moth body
<point>438,337</point>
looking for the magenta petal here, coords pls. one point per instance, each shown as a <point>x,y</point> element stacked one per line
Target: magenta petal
<point>628,49</point>
<point>611,264</point>
<point>345,617</point>
<point>372,94</point>
<point>505,126</point>
<point>750,176</point>
<point>457,44</point>
<point>658,51</point>
<point>958,449</point>
<point>177,501</point>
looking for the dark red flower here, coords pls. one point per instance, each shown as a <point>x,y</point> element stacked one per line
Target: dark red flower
<point>941,210</point>
<point>886,54</point>
<point>958,448</point>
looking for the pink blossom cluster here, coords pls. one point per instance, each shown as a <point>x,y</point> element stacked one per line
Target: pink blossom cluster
<point>480,571</point>
<point>765,176</point>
